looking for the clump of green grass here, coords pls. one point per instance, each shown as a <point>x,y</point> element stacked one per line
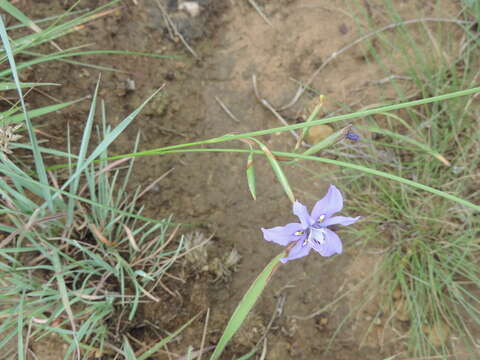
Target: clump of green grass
<point>430,266</point>
<point>76,247</point>
<point>66,270</point>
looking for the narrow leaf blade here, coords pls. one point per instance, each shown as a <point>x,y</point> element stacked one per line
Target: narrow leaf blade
<point>245,305</point>
<point>251,176</point>
<point>278,172</point>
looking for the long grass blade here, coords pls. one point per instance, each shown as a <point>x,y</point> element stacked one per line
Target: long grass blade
<point>63,55</point>
<point>277,169</point>
<point>251,176</point>
<point>328,141</point>
<point>62,288</point>
<point>163,342</point>
<point>37,155</point>
<point>20,16</point>
<point>245,305</point>
<point>75,179</point>
<point>408,140</point>
<point>9,85</point>
<point>332,162</point>
<point>17,118</point>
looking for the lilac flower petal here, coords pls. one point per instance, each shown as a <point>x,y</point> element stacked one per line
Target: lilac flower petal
<point>283,235</point>
<point>298,251</point>
<point>301,211</point>
<point>352,136</point>
<point>342,220</point>
<point>331,203</point>
<point>332,245</point>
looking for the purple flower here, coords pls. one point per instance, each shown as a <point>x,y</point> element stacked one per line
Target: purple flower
<point>312,231</point>
<point>352,136</point>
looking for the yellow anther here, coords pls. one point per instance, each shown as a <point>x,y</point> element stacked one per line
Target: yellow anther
<point>321,218</point>
<point>298,233</point>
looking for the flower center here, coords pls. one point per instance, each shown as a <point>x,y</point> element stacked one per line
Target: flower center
<point>316,236</point>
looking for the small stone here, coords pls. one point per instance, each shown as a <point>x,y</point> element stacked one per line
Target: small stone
<point>318,133</point>
<point>397,293</point>
<point>190,7</point>
<point>401,312</point>
<point>343,29</point>
<point>130,85</point>
<point>438,333</point>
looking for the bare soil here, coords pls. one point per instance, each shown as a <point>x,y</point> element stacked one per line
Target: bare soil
<point>209,191</point>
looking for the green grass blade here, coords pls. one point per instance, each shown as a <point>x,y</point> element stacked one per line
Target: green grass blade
<point>20,349</point>
<point>127,348</point>
<point>38,112</point>
<point>332,162</point>
<point>251,176</point>
<point>407,139</point>
<point>47,19</point>
<point>312,116</point>
<point>165,341</point>
<point>81,155</point>
<point>329,120</point>
<point>245,305</point>
<point>38,159</point>
<point>10,85</point>
<point>248,355</point>
<point>328,141</point>
<point>54,31</point>
<point>62,288</point>
<point>62,55</point>
<point>17,14</point>
<point>277,169</point>
<point>332,119</point>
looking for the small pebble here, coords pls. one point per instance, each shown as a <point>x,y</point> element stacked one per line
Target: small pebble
<point>397,293</point>
<point>130,85</point>
<point>343,29</point>
<point>318,133</point>
<point>438,333</point>
<point>190,7</point>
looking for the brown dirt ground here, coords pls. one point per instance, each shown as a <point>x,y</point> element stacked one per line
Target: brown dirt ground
<point>210,190</point>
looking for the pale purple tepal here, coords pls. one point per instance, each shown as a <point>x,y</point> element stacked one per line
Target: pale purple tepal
<point>312,231</point>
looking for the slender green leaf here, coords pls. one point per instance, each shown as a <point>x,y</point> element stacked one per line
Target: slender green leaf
<point>328,141</point>
<point>62,288</point>
<point>165,341</point>
<point>47,19</point>
<point>277,170</point>
<point>248,355</point>
<point>245,305</point>
<point>333,119</point>
<point>251,176</point>
<point>16,13</point>
<point>409,140</point>
<point>38,159</point>
<point>20,325</point>
<point>55,31</point>
<point>11,85</point>
<point>62,55</point>
<point>127,348</point>
<point>81,155</point>
<point>332,162</point>
<point>17,118</point>
<point>312,116</point>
